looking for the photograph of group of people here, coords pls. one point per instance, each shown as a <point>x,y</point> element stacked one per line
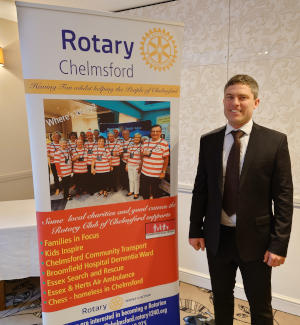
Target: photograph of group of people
<point>113,163</point>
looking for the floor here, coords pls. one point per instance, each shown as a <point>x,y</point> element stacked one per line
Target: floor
<point>86,200</point>
<point>195,300</point>
<point>24,305</point>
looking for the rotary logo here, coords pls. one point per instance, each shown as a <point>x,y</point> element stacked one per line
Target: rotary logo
<point>116,303</point>
<point>158,49</point>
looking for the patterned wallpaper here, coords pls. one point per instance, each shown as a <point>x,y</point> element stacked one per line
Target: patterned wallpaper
<point>226,37</point>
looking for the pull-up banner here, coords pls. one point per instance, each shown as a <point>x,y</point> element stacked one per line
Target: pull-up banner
<point>102,94</point>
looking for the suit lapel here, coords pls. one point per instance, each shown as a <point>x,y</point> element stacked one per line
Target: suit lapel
<point>219,157</point>
<point>250,152</point>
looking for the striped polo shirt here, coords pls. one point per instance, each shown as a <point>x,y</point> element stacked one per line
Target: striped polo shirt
<point>134,154</point>
<point>153,164</point>
<point>102,159</point>
<point>51,149</point>
<point>62,159</point>
<point>114,147</point>
<point>80,165</point>
<point>89,148</point>
<point>125,145</point>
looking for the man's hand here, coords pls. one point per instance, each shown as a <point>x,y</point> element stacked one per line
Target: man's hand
<point>162,175</point>
<point>273,259</point>
<point>197,243</point>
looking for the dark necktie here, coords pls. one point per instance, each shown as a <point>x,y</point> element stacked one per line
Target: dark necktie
<point>232,176</point>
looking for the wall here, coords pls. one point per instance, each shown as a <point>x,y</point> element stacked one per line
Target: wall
<point>222,38</point>
<point>15,166</point>
<point>83,124</point>
<point>123,118</point>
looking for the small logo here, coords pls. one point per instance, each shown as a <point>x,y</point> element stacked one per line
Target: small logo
<point>158,49</point>
<point>160,229</point>
<point>116,303</point>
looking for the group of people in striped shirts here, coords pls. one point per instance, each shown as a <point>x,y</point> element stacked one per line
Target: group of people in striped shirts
<point>93,163</point>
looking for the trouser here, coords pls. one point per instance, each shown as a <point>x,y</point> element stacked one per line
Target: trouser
<point>256,279</point>
<point>115,178</point>
<point>65,182</point>
<point>90,181</point>
<point>123,175</point>
<point>134,179</point>
<point>55,176</point>
<point>149,186</point>
<point>102,181</point>
<point>80,180</point>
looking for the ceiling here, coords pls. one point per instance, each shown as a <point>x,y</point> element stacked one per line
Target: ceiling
<point>8,9</point>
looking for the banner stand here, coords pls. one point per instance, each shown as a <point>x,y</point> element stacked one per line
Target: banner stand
<point>102,95</point>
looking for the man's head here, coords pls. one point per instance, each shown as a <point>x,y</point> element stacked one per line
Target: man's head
<point>125,134</point>
<point>137,138</point>
<point>240,100</point>
<point>101,142</point>
<point>63,143</point>
<point>96,134</point>
<point>110,137</point>
<point>73,136</point>
<point>56,137</point>
<point>155,132</point>
<point>90,136</point>
<point>79,143</point>
<point>116,133</point>
<point>82,135</point>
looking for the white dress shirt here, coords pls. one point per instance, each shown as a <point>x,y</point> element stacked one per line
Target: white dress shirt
<point>228,142</point>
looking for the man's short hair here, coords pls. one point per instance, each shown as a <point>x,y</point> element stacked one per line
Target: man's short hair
<point>58,133</point>
<point>155,126</point>
<point>243,79</point>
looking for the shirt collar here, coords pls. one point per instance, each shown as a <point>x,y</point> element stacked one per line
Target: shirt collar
<point>246,128</point>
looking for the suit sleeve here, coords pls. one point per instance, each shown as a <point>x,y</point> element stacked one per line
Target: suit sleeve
<point>282,195</point>
<point>199,198</point>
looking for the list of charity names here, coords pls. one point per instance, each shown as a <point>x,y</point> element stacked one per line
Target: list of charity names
<point>75,266</point>
<point>72,273</point>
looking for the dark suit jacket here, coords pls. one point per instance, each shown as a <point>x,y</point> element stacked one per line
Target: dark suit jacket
<point>265,179</point>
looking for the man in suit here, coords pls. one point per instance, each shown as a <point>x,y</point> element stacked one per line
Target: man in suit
<point>242,204</point>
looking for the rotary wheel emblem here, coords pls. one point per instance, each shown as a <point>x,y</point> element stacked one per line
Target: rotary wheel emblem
<point>116,303</point>
<point>158,49</point>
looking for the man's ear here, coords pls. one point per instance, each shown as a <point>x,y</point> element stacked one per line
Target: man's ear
<point>256,103</point>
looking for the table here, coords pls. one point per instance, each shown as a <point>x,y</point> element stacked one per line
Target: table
<point>18,242</point>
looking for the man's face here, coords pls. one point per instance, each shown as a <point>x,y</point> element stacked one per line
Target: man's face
<point>111,138</point>
<point>116,133</point>
<point>96,134</point>
<point>101,143</point>
<point>64,144</point>
<point>90,137</point>
<point>55,137</point>
<point>239,104</point>
<point>137,139</point>
<point>155,133</point>
<point>125,134</point>
<point>73,137</point>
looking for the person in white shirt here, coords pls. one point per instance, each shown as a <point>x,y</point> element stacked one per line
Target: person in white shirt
<point>134,166</point>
